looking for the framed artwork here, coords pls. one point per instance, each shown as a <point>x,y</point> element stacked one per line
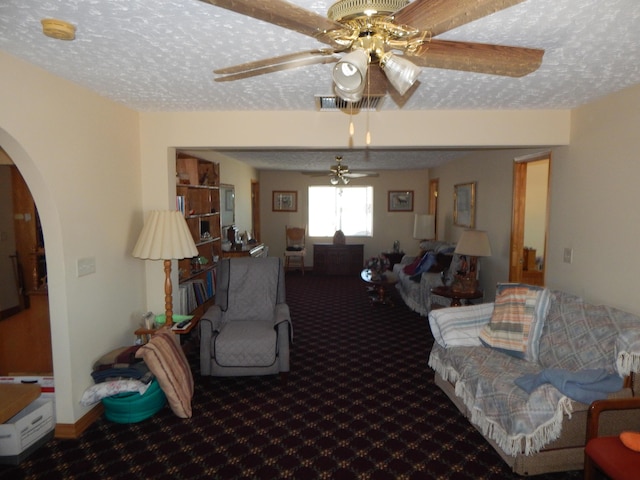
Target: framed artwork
<point>464,205</point>
<point>400,201</point>
<point>285,201</point>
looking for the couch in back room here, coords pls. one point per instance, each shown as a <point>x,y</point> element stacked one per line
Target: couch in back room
<point>415,287</point>
<point>525,368</point>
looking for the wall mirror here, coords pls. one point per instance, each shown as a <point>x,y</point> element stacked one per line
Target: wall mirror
<point>227,205</point>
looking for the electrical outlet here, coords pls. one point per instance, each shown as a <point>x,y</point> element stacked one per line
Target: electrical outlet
<point>568,255</point>
<point>85,266</point>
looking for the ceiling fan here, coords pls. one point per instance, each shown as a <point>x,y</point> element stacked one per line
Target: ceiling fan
<point>340,173</point>
<point>396,37</point>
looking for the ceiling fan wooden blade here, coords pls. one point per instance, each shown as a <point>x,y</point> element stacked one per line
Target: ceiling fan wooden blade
<point>478,57</point>
<point>277,68</point>
<point>360,174</point>
<point>285,15</point>
<point>439,16</point>
<point>267,62</point>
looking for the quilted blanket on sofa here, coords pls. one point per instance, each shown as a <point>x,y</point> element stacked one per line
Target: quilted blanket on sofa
<point>485,381</point>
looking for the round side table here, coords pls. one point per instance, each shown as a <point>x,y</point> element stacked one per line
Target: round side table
<point>456,297</point>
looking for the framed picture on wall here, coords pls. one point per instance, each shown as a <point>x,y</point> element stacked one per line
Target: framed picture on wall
<point>400,201</point>
<point>285,201</point>
<point>464,205</point>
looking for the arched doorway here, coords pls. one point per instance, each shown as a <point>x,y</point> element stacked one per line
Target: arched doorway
<point>24,305</point>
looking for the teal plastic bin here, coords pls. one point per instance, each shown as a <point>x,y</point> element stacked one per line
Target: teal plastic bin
<point>133,407</point>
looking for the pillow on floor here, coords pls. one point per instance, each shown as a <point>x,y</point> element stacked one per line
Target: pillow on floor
<point>165,358</point>
<point>516,323</point>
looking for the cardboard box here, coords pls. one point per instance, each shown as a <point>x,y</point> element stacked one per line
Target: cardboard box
<point>26,431</point>
<point>46,383</point>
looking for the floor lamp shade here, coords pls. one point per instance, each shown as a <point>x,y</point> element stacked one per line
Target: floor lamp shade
<point>424,227</point>
<point>165,236</point>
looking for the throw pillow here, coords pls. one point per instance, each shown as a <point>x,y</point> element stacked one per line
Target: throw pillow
<point>410,269</point>
<point>427,261</point>
<point>165,358</point>
<point>516,323</point>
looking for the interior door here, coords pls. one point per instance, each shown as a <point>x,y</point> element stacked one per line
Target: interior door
<point>529,222</point>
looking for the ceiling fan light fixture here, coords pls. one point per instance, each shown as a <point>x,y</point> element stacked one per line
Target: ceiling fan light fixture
<point>400,72</point>
<point>334,180</point>
<point>350,72</point>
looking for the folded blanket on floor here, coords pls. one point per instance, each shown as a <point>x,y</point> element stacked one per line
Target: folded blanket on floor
<point>584,386</point>
<point>137,371</point>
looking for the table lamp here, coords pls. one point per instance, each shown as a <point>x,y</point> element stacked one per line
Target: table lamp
<point>473,244</point>
<point>165,236</point>
<point>424,226</point>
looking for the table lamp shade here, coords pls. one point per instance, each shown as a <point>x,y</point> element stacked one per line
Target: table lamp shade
<point>474,243</point>
<point>165,236</point>
<point>424,227</point>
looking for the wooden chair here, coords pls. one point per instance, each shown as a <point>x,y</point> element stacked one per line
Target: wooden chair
<point>295,249</point>
<point>607,454</point>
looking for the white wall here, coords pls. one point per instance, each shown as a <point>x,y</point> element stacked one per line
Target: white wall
<point>594,199</point>
<point>594,203</point>
<point>387,226</point>
<point>79,156</point>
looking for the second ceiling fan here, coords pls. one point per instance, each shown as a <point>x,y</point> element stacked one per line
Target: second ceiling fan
<point>395,37</point>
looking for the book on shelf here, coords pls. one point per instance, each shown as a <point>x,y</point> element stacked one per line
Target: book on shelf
<point>195,292</point>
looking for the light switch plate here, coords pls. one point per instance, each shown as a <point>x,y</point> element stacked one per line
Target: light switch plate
<point>568,255</point>
<point>85,266</point>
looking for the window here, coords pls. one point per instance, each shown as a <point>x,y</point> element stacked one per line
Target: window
<point>349,209</point>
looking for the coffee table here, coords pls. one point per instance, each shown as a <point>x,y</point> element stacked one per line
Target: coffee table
<point>378,285</point>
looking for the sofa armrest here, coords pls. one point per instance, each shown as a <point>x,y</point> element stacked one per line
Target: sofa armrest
<point>460,326</point>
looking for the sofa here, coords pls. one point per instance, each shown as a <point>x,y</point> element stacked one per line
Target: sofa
<point>525,368</point>
<point>414,285</point>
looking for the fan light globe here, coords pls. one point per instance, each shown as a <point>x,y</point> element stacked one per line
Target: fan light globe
<point>350,96</point>
<point>349,73</point>
<point>334,180</point>
<point>401,72</point>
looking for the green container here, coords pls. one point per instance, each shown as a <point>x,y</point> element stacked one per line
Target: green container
<point>132,407</point>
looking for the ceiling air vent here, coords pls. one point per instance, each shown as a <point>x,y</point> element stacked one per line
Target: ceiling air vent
<point>331,103</point>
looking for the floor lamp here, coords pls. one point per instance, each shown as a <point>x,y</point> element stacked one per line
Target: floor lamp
<point>165,236</point>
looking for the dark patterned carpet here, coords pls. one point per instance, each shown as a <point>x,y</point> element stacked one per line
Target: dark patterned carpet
<point>359,403</point>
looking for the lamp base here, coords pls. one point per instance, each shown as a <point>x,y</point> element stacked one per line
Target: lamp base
<point>463,284</point>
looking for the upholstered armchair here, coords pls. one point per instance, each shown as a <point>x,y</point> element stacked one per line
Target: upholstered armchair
<point>248,330</point>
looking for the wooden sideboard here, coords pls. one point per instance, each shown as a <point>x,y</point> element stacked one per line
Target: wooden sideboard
<point>330,259</point>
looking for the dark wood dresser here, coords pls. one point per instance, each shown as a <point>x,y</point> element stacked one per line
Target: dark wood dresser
<point>330,259</point>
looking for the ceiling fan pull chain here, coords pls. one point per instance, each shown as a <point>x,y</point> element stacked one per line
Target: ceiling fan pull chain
<point>368,135</point>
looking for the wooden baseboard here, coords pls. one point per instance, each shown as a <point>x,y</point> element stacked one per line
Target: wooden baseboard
<point>74,430</point>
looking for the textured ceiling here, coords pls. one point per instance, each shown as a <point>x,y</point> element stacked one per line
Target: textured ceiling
<point>158,55</point>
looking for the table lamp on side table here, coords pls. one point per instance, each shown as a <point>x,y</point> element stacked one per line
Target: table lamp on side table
<point>473,244</point>
<point>165,236</point>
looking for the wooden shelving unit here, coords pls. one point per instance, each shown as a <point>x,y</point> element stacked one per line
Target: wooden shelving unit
<point>198,196</point>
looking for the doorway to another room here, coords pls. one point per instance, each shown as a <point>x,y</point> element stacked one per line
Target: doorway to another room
<point>530,216</point>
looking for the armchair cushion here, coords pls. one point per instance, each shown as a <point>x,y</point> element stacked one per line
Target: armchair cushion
<point>517,320</point>
<point>246,344</point>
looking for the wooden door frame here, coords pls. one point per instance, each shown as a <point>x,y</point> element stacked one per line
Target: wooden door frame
<point>255,210</point>
<point>434,185</point>
<point>516,251</point>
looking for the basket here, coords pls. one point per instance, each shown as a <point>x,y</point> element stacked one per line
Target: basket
<point>133,407</point>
